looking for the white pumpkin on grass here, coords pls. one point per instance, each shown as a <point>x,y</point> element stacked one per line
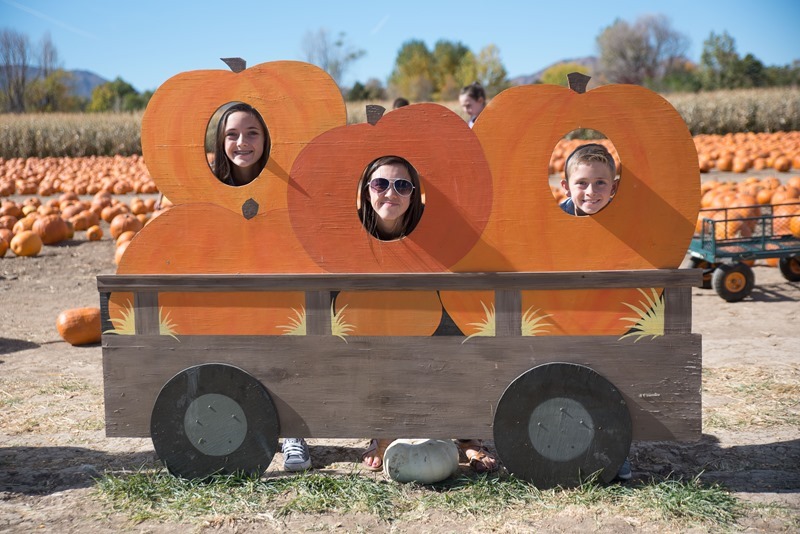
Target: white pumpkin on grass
<point>424,461</point>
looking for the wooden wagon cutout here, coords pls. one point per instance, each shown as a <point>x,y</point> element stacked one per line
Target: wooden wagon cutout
<point>247,313</point>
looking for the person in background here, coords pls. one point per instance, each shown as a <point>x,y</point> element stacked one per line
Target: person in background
<point>400,102</point>
<point>472,100</point>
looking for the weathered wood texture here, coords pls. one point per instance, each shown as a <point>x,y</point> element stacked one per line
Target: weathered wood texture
<point>407,386</point>
<point>403,281</point>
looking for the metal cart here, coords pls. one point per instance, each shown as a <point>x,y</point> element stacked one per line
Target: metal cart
<point>731,239</point>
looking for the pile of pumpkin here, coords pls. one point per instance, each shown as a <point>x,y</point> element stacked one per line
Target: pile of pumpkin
<point>25,227</point>
<point>741,152</point>
<point>45,177</point>
<point>738,205</point>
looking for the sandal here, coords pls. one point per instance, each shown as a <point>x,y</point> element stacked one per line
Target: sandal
<point>375,449</point>
<point>478,456</point>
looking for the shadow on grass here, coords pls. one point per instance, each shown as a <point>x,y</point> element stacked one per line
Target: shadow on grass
<point>757,468</point>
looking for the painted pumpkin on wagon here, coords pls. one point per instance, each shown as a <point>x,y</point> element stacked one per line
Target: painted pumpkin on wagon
<point>649,223</point>
<point>457,189</point>
<point>220,229</point>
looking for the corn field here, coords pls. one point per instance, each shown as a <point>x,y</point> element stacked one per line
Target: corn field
<point>108,134</point>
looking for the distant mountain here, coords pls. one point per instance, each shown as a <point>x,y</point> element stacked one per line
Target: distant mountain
<point>591,62</point>
<point>82,82</point>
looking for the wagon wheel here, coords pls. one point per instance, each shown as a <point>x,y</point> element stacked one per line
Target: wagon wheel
<point>214,418</point>
<point>790,268</point>
<point>733,282</point>
<point>559,423</point>
<point>708,270</point>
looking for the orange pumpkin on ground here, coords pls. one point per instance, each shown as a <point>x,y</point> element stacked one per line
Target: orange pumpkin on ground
<point>26,243</point>
<point>51,228</point>
<point>94,233</point>
<point>79,326</point>
<point>124,222</point>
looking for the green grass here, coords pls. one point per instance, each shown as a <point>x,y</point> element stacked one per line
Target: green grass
<point>156,495</point>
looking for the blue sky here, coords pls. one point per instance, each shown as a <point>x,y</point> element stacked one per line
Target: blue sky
<point>145,42</point>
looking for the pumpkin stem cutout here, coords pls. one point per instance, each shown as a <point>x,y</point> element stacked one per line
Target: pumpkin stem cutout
<point>236,64</point>
<point>374,113</point>
<point>578,82</point>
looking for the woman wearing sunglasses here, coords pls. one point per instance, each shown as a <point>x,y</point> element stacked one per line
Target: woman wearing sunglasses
<point>394,207</point>
<point>390,204</point>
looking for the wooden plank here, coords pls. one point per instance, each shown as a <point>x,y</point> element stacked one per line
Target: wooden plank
<point>404,281</point>
<point>408,386</point>
<point>145,305</point>
<point>508,313</point>
<point>318,313</point>
<point>105,318</point>
<point>677,310</point>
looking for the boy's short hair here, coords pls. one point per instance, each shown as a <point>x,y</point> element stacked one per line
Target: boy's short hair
<point>589,153</point>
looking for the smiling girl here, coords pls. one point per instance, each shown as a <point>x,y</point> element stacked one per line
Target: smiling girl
<point>242,145</point>
<point>390,201</point>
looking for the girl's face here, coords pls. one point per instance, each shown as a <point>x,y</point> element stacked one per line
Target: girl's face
<point>388,205</point>
<point>244,139</point>
<point>471,106</point>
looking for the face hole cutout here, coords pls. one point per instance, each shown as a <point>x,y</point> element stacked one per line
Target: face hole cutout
<point>237,143</point>
<point>584,172</point>
<point>389,198</point>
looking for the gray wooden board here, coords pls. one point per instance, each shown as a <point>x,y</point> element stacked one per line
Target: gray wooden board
<point>434,387</point>
<point>403,281</point>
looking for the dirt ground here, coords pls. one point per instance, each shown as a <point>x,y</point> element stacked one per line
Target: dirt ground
<point>52,439</point>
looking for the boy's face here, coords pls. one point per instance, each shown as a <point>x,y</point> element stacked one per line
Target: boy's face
<point>590,186</point>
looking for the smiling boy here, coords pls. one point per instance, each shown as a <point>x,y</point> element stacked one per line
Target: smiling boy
<point>588,180</point>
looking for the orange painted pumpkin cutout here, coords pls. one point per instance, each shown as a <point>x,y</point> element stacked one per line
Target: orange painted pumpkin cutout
<point>649,225</point>
<point>454,176</point>
<point>208,239</point>
<point>298,101</point>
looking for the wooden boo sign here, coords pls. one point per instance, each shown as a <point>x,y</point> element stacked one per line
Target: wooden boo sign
<point>419,336</point>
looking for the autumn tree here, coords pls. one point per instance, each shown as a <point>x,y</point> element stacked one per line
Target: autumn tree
<point>413,74</point>
<point>557,74</point>
<point>640,53</point>
<point>421,74</point>
<point>334,55</point>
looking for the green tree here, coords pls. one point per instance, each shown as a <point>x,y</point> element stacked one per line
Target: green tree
<point>413,75</point>
<point>490,71</point>
<point>719,62</point>
<point>557,74</point>
<point>447,58</point>
<point>118,95</point>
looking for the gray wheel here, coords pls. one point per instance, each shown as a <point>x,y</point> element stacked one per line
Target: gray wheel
<point>733,281</point>
<point>214,418</point>
<point>559,423</point>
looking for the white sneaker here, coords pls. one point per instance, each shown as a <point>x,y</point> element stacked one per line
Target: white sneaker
<point>625,472</point>
<point>295,454</point>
